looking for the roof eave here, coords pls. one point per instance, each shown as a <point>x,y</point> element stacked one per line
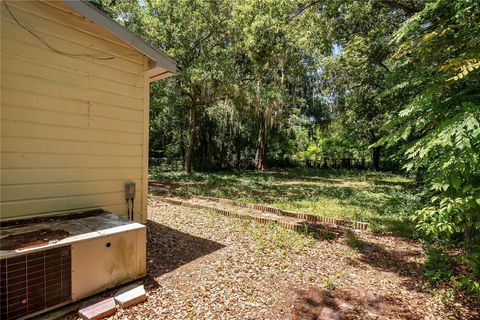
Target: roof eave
<point>160,63</point>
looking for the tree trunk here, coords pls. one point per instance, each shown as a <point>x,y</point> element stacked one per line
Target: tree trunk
<point>181,134</point>
<point>261,146</point>
<point>221,161</point>
<point>238,152</point>
<point>470,237</point>
<point>262,133</point>
<point>191,140</point>
<point>376,157</point>
<point>376,151</point>
<point>210,149</point>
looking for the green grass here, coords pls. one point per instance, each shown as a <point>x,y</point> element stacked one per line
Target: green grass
<point>384,200</point>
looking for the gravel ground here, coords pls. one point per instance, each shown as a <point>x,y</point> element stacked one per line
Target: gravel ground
<point>202,265</point>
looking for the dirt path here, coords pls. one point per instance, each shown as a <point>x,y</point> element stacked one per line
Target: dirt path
<point>202,265</point>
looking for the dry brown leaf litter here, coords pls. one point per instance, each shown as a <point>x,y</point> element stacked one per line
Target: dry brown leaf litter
<point>202,265</point>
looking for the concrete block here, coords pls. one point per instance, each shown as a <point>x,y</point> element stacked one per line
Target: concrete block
<point>98,310</point>
<point>130,296</point>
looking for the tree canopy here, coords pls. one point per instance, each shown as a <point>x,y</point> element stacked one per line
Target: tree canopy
<point>390,85</point>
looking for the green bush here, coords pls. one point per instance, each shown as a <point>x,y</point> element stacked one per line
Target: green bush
<point>438,266</point>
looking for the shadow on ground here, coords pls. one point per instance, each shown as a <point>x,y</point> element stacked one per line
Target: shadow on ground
<point>169,249</point>
<point>399,261</point>
<point>338,304</point>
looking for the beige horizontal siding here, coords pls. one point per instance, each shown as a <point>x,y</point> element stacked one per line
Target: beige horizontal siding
<point>85,120</point>
<point>34,145</point>
<point>36,207</point>
<point>38,70</point>
<point>78,23</point>
<point>52,130</point>
<point>64,21</point>
<point>45,190</point>
<point>42,102</point>
<point>42,56</point>
<point>56,33</point>
<point>50,160</point>
<point>57,87</point>
<point>73,129</point>
<point>42,175</point>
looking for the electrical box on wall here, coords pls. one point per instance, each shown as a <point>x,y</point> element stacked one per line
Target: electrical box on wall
<point>130,190</point>
<point>130,197</point>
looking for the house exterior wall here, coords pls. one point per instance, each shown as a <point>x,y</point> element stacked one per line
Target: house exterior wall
<point>74,128</point>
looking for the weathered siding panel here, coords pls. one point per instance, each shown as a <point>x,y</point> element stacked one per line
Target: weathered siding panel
<point>73,128</point>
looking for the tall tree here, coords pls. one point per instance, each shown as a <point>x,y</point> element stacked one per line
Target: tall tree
<point>269,63</point>
<point>196,34</point>
<point>353,38</point>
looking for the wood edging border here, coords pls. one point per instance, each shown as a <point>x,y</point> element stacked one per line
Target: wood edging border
<point>349,224</point>
<point>295,226</point>
<point>357,225</point>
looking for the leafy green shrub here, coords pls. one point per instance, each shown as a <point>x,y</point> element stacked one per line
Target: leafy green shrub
<point>312,153</point>
<point>436,76</point>
<point>470,280</point>
<point>438,266</point>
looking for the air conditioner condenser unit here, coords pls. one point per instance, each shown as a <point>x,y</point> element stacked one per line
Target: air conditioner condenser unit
<point>48,264</point>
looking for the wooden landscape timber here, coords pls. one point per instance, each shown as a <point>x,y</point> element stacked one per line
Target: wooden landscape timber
<point>300,222</point>
<point>357,225</point>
